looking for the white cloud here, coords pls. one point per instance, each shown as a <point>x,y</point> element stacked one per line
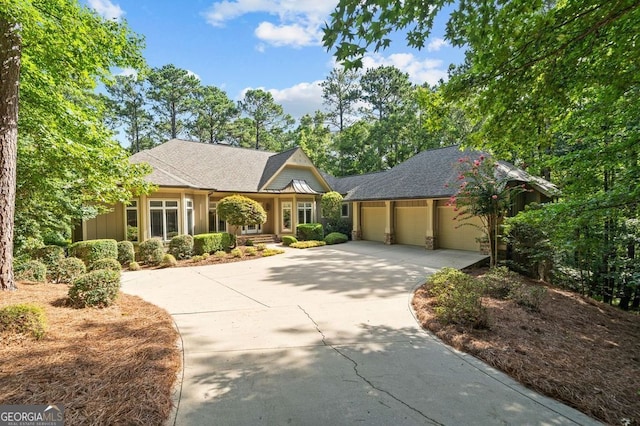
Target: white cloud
<point>106,9</point>
<point>419,70</point>
<point>191,73</point>
<point>298,100</point>
<point>437,44</point>
<point>296,22</point>
<point>128,72</point>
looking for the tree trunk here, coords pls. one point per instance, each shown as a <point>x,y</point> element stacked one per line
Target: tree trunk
<point>10,51</point>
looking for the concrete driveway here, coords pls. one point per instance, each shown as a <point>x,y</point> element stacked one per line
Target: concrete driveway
<point>327,336</point>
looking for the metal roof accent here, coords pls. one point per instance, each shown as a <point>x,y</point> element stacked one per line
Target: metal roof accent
<point>298,186</point>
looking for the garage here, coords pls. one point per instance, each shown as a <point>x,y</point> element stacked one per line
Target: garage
<point>373,221</point>
<point>453,234</point>
<point>411,222</point>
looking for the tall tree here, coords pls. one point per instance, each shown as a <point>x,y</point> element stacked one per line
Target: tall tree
<point>314,137</point>
<point>268,117</point>
<point>172,90</point>
<point>66,158</point>
<point>340,92</point>
<point>212,115</point>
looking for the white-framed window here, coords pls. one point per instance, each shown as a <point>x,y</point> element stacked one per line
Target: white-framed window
<point>131,218</point>
<point>190,225</point>
<point>215,223</point>
<point>163,219</point>
<point>305,212</point>
<point>345,210</point>
<point>286,216</point>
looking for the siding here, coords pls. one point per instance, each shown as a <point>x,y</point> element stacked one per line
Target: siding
<point>289,173</point>
<point>109,225</point>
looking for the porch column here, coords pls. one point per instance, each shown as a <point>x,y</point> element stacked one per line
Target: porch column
<point>143,211</point>
<point>277,222</point>
<point>389,232</point>
<point>356,231</point>
<point>430,240</point>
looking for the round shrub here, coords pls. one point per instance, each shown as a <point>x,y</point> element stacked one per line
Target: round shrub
<point>220,254</point>
<point>168,260</point>
<point>134,266</point>
<point>92,250</point>
<point>310,231</point>
<point>110,264</point>
<point>68,270</point>
<point>23,318</point>
<point>197,258</point>
<point>287,240</point>
<point>151,251</point>
<point>49,255</point>
<point>261,247</point>
<point>250,251</point>
<point>32,270</point>
<point>97,288</point>
<point>336,238</point>
<point>126,252</point>
<point>236,252</point>
<point>181,246</point>
<point>205,255</point>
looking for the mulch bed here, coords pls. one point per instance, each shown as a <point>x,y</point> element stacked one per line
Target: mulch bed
<point>115,365</point>
<point>212,260</point>
<point>576,350</point>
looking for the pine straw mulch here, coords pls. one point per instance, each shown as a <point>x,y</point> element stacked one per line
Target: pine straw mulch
<point>576,350</point>
<point>108,366</point>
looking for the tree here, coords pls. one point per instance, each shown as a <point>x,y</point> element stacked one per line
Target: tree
<point>267,116</point>
<point>212,115</point>
<point>239,211</point>
<point>68,167</point>
<point>172,90</point>
<point>331,204</point>
<point>314,137</point>
<point>340,92</point>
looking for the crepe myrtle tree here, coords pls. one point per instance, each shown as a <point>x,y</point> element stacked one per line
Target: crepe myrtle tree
<point>239,211</point>
<point>484,192</point>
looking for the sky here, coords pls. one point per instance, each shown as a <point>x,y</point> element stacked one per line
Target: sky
<point>274,45</point>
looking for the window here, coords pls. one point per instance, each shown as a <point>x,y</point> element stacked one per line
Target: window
<point>215,223</point>
<point>163,219</point>
<point>131,215</point>
<point>345,210</point>
<point>188,205</point>
<point>305,212</point>
<point>286,217</point>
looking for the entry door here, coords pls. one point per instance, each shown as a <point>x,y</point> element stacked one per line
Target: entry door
<point>251,229</point>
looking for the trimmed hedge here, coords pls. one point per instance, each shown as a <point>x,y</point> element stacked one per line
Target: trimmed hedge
<point>310,232</point>
<point>168,260</point>
<point>181,246</point>
<point>110,264</point>
<point>336,238</point>
<point>32,270</point>
<point>211,243</point>
<point>287,240</point>
<point>126,252</point>
<point>151,251</point>
<point>68,270</point>
<point>97,288</point>
<point>92,250</point>
<point>23,318</point>
<point>308,244</point>
<point>49,255</point>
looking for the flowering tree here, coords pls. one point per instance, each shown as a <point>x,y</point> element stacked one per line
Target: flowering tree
<point>484,192</point>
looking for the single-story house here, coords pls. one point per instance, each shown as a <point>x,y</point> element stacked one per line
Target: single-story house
<point>405,205</point>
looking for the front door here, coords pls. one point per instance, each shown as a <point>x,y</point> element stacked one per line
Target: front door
<point>251,229</point>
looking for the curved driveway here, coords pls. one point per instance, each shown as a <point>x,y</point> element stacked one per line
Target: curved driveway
<point>327,336</point>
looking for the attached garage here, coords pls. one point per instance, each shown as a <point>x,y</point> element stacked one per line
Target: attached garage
<point>411,222</point>
<point>454,234</point>
<point>373,221</point>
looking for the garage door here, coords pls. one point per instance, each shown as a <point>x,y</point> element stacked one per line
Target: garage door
<point>373,221</point>
<point>411,225</point>
<point>452,234</point>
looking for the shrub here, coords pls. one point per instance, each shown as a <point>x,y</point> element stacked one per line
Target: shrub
<point>23,319</point>
<point>248,243</point>
<point>92,250</point>
<point>287,240</point>
<point>205,255</point>
<point>49,255</point>
<point>261,247</point>
<point>310,231</point>
<point>250,251</point>
<point>97,288</point>
<point>220,254</point>
<point>529,296</point>
<point>458,298</point>
<point>271,252</point>
<point>343,226</point>
<point>168,260</point>
<point>336,238</point>
<point>307,244</point>
<point>110,264</point>
<point>132,233</point>
<point>532,250</point>
<point>210,243</point>
<point>32,270</point>
<point>181,246</point>
<point>68,270</point>
<point>499,282</point>
<point>134,266</point>
<point>126,253</point>
<point>197,258</point>
<point>236,252</point>
<point>151,251</point>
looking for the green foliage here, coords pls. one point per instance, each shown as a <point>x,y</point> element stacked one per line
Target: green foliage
<point>108,263</point>
<point>151,251</point>
<point>132,233</point>
<point>51,256</point>
<point>499,282</point>
<point>32,270</point>
<point>271,252</point>
<point>134,266</point>
<point>248,243</point>
<point>181,246</point>
<point>126,252</point>
<point>220,254</point>
<point>97,288</point>
<point>168,260</point>
<point>529,296</point>
<point>342,226</point>
<point>287,240</point>
<point>213,114</point>
<point>458,298</point>
<point>331,205</point>
<point>239,210</point>
<point>236,252</point>
<point>92,250</point>
<point>210,243</point>
<point>23,319</point>
<point>197,258</point>
<point>532,249</point>
<point>68,270</point>
<point>250,251</point>
<point>310,231</point>
<point>261,247</point>
<point>307,244</point>
<point>267,118</point>
<point>336,238</point>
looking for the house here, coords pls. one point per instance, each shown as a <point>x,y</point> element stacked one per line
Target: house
<point>403,205</point>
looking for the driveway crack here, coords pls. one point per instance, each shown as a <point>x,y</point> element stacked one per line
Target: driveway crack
<point>361,377</point>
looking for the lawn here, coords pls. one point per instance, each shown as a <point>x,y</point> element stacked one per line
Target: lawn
<point>576,350</point>
<point>115,365</point>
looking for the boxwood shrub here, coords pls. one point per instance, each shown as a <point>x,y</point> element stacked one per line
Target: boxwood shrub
<point>92,250</point>
<point>336,238</point>
<point>151,251</point>
<point>110,264</point>
<point>310,231</point>
<point>97,288</point>
<point>287,240</point>
<point>181,246</point>
<point>49,255</point>
<point>213,242</point>
<point>31,270</point>
<point>126,252</point>
<point>68,270</point>
<point>23,318</point>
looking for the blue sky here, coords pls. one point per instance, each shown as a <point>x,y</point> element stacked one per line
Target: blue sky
<point>274,45</point>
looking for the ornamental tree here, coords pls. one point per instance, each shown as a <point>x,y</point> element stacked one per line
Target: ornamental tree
<point>241,211</point>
